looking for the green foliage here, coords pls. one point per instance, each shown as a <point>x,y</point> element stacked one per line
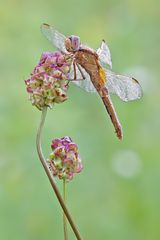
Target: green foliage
<point>112,198</point>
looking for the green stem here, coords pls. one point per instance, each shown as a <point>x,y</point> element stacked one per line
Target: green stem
<point>64,217</point>
<point>51,178</point>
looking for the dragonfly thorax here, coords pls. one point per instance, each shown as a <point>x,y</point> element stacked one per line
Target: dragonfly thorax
<point>72,43</point>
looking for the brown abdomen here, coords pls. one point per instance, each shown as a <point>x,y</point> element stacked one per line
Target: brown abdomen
<point>89,61</point>
<point>98,82</point>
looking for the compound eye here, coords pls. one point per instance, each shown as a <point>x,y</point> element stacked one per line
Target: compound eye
<point>68,44</point>
<point>75,41</point>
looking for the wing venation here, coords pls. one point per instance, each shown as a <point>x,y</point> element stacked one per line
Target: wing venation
<point>126,88</point>
<point>57,39</point>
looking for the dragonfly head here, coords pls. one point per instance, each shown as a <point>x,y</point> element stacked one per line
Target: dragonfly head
<point>72,43</point>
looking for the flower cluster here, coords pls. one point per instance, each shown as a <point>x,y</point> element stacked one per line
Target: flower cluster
<point>64,161</point>
<point>48,82</point>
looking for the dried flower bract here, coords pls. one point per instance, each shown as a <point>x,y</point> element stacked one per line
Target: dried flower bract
<point>48,83</point>
<point>64,161</point>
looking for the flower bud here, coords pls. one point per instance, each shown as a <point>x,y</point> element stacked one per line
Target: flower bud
<point>64,161</point>
<point>48,83</point>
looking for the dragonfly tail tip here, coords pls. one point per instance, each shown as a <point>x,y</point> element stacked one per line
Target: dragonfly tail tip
<point>119,134</point>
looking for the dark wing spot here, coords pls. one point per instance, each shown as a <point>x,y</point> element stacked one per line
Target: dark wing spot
<point>45,24</point>
<point>135,80</point>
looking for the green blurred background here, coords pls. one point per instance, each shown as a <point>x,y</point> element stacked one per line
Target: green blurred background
<point>117,196</point>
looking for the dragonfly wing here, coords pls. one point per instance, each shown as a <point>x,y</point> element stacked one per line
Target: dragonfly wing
<point>85,84</point>
<point>57,39</point>
<point>104,54</point>
<point>126,88</point>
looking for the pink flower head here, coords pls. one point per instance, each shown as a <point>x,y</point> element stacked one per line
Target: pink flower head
<point>64,161</point>
<point>48,83</point>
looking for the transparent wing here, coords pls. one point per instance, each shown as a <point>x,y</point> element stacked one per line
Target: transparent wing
<point>126,88</point>
<point>56,38</point>
<point>84,84</point>
<point>104,54</point>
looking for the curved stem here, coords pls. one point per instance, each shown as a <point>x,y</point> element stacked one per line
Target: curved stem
<point>51,178</point>
<point>64,217</point>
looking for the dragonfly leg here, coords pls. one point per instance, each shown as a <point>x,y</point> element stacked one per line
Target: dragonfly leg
<point>80,70</point>
<point>75,73</point>
<point>74,67</point>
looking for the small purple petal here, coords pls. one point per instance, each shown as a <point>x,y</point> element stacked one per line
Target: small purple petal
<point>65,151</point>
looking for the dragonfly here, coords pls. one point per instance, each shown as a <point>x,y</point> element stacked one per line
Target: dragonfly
<point>91,71</point>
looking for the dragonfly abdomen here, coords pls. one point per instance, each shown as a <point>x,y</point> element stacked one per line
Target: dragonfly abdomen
<point>98,77</point>
<point>99,84</point>
<point>111,111</point>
